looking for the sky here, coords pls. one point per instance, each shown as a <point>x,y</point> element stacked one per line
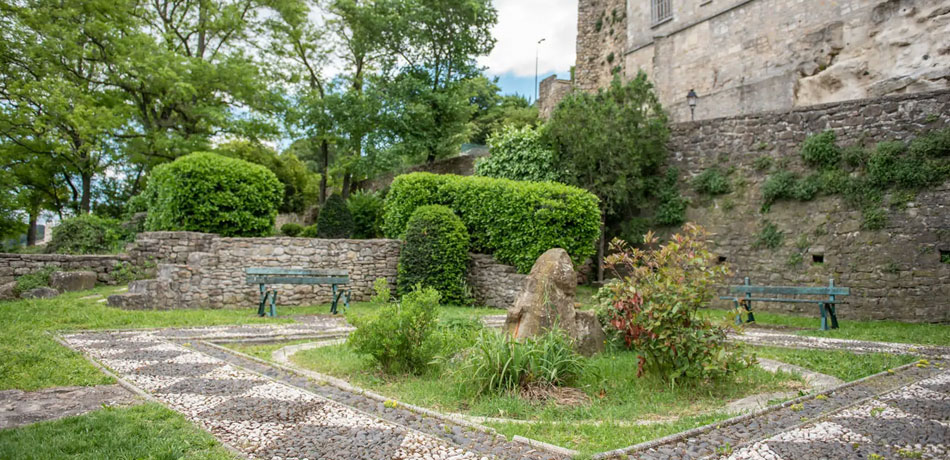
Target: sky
<point>521,23</point>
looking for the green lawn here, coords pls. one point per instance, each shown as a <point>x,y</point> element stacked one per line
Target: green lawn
<point>609,380</point>
<point>147,431</point>
<point>846,366</point>
<point>33,360</point>
<point>880,331</point>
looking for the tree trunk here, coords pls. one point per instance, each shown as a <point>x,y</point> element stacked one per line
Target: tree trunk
<point>31,233</point>
<point>347,180</point>
<point>600,247</point>
<point>324,169</point>
<point>85,201</point>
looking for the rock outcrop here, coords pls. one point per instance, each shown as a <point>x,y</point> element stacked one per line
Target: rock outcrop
<point>547,300</point>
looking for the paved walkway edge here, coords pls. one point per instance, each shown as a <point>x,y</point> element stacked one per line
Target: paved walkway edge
<point>345,386</point>
<point>732,421</point>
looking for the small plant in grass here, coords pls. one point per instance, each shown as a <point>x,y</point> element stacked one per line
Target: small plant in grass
<point>398,336</point>
<point>820,150</point>
<point>908,453</point>
<point>712,181</point>
<point>769,236</point>
<point>498,363</point>
<point>291,229</point>
<point>655,307</point>
<point>37,279</point>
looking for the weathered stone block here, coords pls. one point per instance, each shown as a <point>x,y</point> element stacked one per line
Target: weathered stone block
<point>73,281</point>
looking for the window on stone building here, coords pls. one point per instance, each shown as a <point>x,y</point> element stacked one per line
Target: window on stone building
<point>662,10</point>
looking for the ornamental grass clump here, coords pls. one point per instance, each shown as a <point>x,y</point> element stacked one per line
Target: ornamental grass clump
<point>654,307</point>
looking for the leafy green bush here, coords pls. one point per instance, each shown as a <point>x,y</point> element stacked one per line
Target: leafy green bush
<point>934,144</point>
<point>309,231</point>
<point>769,236</point>
<point>854,156</point>
<point>87,234</point>
<point>39,278</point>
<point>206,192</point>
<point>655,307</point>
<point>671,206</point>
<point>777,187</point>
<point>335,220</point>
<point>763,163</point>
<point>399,336</point>
<point>497,363</point>
<point>820,150</point>
<point>712,181</point>
<point>300,186</point>
<point>515,221</point>
<point>291,229</point>
<point>435,254</point>
<point>519,154</point>
<point>873,218</point>
<point>367,211</point>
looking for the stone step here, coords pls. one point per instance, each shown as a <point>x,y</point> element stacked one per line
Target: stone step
<point>128,301</point>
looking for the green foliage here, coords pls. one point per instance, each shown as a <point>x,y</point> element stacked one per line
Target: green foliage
<point>820,150</point>
<point>892,164</point>
<point>495,111</point>
<point>367,211</point>
<point>300,185</point>
<point>291,229</point>
<point>655,307</point>
<point>671,206</point>
<point>935,144</point>
<point>763,163</point>
<point>126,272</point>
<point>611,141</point>
<point>712,181</point>
<point>435,254</point>
<point>87,234</point>
<point>778,186</point>
<point>39,278</point>
<point>398,337</point>
<point>854,156</point>
<point>498,363</point>
<point>515,221</point>
<point>519,154</point>
<point>309,231</point>
<point>206,192</point>
<point>769,236</point>
<point>873,218</point>
<point>335,220</point>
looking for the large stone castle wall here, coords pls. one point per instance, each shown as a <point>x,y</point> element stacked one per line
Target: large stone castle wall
<point>894,273</point>
<point>749,56</point>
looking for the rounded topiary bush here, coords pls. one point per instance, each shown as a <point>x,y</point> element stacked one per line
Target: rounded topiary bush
<point>206,192</point>
<point>87,234</point>
<point>291,229</point>
<point>435,254</point>
<point>335,220</point>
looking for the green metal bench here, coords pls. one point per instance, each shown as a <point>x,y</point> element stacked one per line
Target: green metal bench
<point>825,305</point>
<point>270,276</point>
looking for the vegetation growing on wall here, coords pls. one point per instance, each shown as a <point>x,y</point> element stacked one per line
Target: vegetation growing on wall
<point>712,181</point>
<point>519,154</point>
<point>872,180</point>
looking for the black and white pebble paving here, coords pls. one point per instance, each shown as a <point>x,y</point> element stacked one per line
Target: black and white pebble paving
<point>773,338</point>
<point>283,417</point>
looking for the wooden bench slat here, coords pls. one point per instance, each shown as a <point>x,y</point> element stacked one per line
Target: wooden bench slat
<point>287,279</point>
<point>790,290</point>
<point>295,271</point>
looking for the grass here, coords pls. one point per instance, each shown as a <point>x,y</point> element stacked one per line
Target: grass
<point>147,431</point>
<point>844,365</point>
<point>880,331</point>
<point>609,380</point>
<point>32,359</point>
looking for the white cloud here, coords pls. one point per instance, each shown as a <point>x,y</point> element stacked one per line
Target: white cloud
<point>521,23</point>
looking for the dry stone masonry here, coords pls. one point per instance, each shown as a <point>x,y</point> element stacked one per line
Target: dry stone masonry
<point>894,273</point>
<point>14,265</point>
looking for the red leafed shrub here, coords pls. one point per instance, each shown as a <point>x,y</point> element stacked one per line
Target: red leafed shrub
<point>654,306</point>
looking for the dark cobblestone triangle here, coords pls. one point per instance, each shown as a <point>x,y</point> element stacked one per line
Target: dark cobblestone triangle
<point>210,387</point>
<point>264,410</point>
<point>325,442</point>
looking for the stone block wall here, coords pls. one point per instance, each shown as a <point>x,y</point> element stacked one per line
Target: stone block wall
<point>14,265</point>
<point>494,284</point>
<point>168,247</point>
<point>894,273</point>
<point>601,42</point>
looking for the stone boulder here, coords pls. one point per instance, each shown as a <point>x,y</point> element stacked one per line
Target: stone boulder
<point>8,291</point>
<point>548,299</point>
<point>73,281</point>
<point>40,293</point>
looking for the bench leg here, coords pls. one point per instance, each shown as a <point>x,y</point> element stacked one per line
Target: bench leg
<point>738,313</point>
<point>834,316</point>
<point>260,305</point>
<point>335,297</point>
<point>346,300</point>
<point>273,304</point>
<point>824,317</point>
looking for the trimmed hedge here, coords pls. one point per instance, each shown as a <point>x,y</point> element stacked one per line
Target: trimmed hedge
<point>513,220</point>
<point>335,220</point>
<point>206,192</point>
<point>435,254</point>
<point>87,234</point>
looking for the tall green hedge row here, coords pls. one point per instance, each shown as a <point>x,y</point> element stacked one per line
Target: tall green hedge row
<point>513,220</point>
<point>206,192</point>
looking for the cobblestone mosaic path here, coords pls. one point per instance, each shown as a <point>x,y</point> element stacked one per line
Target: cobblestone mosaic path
<point>266,413</point>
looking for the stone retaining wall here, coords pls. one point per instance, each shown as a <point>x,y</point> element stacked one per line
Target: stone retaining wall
<point>494,284</point>
<point>894,273</point>
<point>14,265</point>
